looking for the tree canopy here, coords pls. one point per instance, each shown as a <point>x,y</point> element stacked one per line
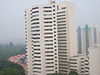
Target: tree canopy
<point>73,73</point>
<point>9,68</point>
<point>57,74</point>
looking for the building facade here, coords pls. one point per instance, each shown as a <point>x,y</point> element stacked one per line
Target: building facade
<point>94,60</point>
<point>50,37</point>
<point>80,64</point>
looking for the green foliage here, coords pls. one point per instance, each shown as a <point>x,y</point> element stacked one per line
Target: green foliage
<point>73,73</point>
<point>11,50</point>
<point>8,68</point>
<point>9,71</point>
<point>57,74</point>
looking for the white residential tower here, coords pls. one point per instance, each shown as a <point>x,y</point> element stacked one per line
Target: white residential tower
<point>50,37</point>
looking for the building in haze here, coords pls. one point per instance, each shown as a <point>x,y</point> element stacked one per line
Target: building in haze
<point>50,37</point>
<point>94,60</point>
<point>87,36</point>
<point>79,36</point>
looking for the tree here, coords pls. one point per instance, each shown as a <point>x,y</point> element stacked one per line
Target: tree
<point>57,74</point>
<point>73,73</point>
<point>9,68</point>
<point>9,71</point>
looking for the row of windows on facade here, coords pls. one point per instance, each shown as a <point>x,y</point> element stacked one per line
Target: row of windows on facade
<point>39,26</point>
<point>48,22</point>
<point>59,14</point>
<point>37,60</point>
<point>46,7</point>
<point>48,18</point>
<point>48,11</point>
<point>49,30</point>
<point>44,30</point>
<point>50,36</point>
<point>49,40</point>
<point>51,55</point>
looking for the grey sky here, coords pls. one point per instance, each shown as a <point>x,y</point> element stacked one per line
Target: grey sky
<point>12,15</point>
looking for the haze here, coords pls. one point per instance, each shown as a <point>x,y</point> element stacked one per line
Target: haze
<point>12,23</point>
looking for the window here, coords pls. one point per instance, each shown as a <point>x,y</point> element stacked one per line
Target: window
<point>49,55</point>
<point>48,36</point>
<point>48,33</point>
<point>47,10</point>
<point>35,26</point>
<point>37,49</point>
<point>49,62</point>
<point>36,41</point>
<point>63,8</point>
<point>61,21</point>
<point>47,25</point>
<point>35,12</point>
<point>61,18</point>
<point>61,15</point>
<point>48,44</point>
<point>48,29</point>
<point>61,27</point>
<point>48,40</point>
<point>49,66</point>
<point>35,8</point>
<point>47,18</point>
<point>35,19</point>
<point>47,14</point>
<point>35,23</point>
<point>48,22</point>
<point>49,48</point>
<point>60,12</point>
<point>35,30</point>
<point>37,56</point>
<point>35,37</point>
<point>36,34</point>
<point>47,7</point>
<point>48,51</point>
<point>35,15</point>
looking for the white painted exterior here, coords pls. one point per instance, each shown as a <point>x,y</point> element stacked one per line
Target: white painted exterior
<point>80,64</point>
<point>47,40</point>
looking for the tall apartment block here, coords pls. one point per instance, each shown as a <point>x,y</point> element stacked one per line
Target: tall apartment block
<point>50,37</point>
<point>79,36</point>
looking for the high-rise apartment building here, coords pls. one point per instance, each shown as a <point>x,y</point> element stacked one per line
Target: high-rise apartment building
<point>87,36</point>
<point>79,36</point>
<point>50,37</point>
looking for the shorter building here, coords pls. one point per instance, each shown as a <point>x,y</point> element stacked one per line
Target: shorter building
<point>94,60</point>
<point>79,63</point>
<point>19,59</point>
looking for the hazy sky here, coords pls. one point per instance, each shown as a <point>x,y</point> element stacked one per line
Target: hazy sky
<point>12,15</point>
